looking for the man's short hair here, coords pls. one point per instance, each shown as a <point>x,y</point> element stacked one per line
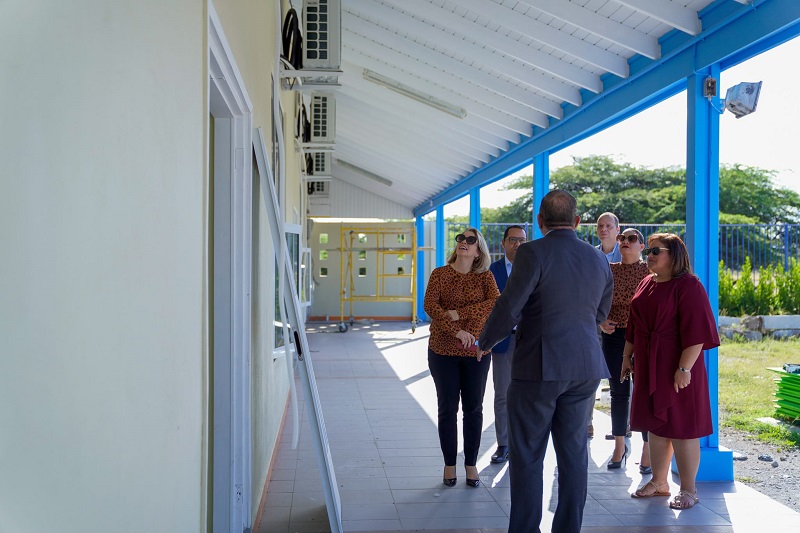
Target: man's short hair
<point>558,208</point>
<point>515,226</point>
<point>614,217</point>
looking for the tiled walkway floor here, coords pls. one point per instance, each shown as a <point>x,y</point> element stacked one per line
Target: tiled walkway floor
<point>379,406</point>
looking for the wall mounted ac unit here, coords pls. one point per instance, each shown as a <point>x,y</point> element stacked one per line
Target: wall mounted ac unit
<point>321,164</point>
<point>319,197</point>
<point>323,117</point>
<point>322,22</point>
<point>319,189</point>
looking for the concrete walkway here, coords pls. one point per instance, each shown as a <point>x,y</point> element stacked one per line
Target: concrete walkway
<point>379,406</point>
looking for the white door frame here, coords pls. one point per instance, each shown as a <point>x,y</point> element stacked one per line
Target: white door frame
<point>230,465</point>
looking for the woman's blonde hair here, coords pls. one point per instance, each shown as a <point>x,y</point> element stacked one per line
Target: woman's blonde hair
<point>482,262</point>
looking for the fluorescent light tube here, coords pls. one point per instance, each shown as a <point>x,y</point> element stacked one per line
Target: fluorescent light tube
<point>363,172</point>
<point>405,90</point>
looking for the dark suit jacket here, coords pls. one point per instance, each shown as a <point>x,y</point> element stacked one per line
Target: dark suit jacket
<point>558,293</point>
<point>498,268</point>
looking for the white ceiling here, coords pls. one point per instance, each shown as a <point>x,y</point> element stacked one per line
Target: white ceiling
<point>514,67</point>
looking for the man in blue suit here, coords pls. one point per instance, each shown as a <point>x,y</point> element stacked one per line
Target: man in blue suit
<point>558,293</point>
<point>501,354</point>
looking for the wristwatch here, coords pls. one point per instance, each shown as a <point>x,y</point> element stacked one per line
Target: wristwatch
<point>687,370</point>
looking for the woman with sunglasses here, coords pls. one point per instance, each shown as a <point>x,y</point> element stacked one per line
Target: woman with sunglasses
<point>458,300</point>
<point>627,275</point>
<point>670,325</point>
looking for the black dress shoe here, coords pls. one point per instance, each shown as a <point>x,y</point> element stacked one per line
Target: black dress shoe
<point>612,465</point>
<point>500,455</point>
<point>449,481</point>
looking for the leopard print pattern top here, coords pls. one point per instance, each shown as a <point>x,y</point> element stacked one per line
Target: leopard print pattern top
<point>471,295</point>
<point>626,278</point>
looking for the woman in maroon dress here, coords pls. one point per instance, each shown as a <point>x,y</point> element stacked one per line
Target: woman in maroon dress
<point>670,325</point>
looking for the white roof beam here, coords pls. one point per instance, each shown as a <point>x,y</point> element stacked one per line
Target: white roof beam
<point>549,36</point>
<point>475,32</point>
<point>522,106</point>
<point>448,126</point>
<point>492,60</point>
<point>509,130</point>
<point>433,82</point>
<point>681,18</point>
<point>599,25</point>
<point>427,179</point>
<point>381,138</point>
<point>365,110</point>
<point>385,131</point>
<point>396,192</point>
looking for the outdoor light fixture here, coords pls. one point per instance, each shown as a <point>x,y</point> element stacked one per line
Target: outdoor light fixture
<point>405,90</point>
<point>741,99</point>
<point>363,172</point>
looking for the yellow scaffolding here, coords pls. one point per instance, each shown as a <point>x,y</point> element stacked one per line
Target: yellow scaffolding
<point>358,240</point>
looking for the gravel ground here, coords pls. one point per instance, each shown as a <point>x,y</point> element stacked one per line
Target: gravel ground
<point>766,468</point>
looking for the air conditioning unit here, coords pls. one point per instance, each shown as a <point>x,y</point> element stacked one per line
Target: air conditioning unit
<point>319,197</point>
<point>321,164</point>
<point>322,23</point>
<point>319,189</point>
<point>323,117</point>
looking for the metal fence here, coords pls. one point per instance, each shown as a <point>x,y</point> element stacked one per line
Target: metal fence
<point>765,244</point>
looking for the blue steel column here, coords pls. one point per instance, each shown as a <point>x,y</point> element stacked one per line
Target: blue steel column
<point>702,240</point>
<point>475,207</point>
<point>439,243</point>
<point>421,285</point>
<point>541,185</point>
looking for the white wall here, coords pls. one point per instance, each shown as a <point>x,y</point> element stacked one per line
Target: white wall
<point>102,216</point>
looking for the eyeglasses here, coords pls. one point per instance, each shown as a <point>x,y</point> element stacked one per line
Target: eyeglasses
<point>470,240</point>
<point>516,240</point>
<point>654,251</point>
<point>631,238</point>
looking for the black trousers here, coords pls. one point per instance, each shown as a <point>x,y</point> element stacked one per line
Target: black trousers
<point>613,346</point>
<point>537,410</point>
<point>459,379</point>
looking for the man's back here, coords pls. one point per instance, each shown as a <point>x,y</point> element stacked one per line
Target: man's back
<point>559,291</point>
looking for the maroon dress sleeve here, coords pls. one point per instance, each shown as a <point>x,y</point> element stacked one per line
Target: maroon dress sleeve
<point>697,324</point>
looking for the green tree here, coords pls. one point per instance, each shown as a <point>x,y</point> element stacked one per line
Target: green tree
<point>750,192</point>
<point>642,194</point>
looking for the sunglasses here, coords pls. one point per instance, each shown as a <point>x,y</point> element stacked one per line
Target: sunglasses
<point>470,240</point>
<point>631,238</point>
<point>654,251</point>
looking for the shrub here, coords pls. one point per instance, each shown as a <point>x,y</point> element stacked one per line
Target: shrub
<point>777,290</point>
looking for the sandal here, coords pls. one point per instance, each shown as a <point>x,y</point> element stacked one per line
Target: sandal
<point>684,500</point>
<point>642,492</point>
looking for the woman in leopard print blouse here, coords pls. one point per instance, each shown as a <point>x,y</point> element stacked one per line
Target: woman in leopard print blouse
<point>627,275</point>
<point>458,300</point>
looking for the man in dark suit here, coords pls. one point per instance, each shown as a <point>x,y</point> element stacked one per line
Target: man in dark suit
<point>502,352</point>
<point>558,293</point>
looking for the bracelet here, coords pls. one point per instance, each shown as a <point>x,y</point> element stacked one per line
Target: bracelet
<point>628,356</point>
<point>686,370</point>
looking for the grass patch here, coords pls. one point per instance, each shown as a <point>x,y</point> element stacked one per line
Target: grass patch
<point>747,388</point>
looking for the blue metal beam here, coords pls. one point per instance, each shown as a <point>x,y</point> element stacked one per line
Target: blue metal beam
<point>475,207</point>
<point>421,270</point>
<point>541,184</point>
<point>702,229</point>
<point>732,34</point>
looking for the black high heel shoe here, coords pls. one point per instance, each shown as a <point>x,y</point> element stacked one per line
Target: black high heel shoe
<point>473,482</point>
<point>612,465</point>
<point>449,482</point>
